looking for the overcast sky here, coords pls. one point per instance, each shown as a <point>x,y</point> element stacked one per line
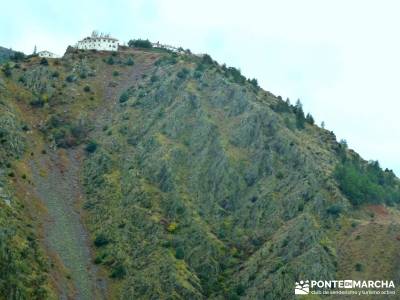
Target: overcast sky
<point>341,58</point>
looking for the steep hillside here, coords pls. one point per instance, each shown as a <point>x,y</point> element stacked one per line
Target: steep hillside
<point>194,183</point>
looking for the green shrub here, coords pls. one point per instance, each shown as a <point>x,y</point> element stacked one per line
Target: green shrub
<point>254,82</point>
<point>240,289</point>
<point>197,74</point>
<point>130,62</point>
<point>86,89</point>
<point>179,253</point>
<point>115,73</point>
<point>139,43</point>
<point>124,97</point>
<point>44,62</point>
<point>206,59</point>
<point>236,75</point>
<point>7,70</point>
<point>55,74</point>
<point>334,209</point>
<point>358,267</point>
<point>183,73</point>
<point>118,271</point>
<point>39,102</point>
<point>91,147</point>
<point>110,60</point>
<point>154,78</point>
<point>70,78</point>
<point>101,240</point>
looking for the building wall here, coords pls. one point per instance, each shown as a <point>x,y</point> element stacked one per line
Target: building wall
<point>100,44</point>
<point>47,54</point>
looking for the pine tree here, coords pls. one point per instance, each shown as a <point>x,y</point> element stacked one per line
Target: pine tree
<point>300,118</point>
<point>310,119</point>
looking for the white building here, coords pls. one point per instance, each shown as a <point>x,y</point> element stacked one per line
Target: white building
<point>101,42</point>
<point>47,54</point>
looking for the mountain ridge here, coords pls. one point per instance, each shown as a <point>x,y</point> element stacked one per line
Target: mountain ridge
<point>197,183</point>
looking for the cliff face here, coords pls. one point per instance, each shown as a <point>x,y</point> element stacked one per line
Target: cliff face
<point>197,183</point>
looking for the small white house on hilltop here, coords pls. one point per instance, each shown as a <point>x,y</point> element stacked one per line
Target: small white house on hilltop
<point>101,42</point>
<point>47,54</point>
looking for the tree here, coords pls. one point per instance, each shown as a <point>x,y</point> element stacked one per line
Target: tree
<point>130,62</point>
<point>139,43</point>
<point>254,82</point>
<point>323,125</point>
<point>343,143</point>
<point>310,119</point>
<point>18,56</point>
<point>300,118</point>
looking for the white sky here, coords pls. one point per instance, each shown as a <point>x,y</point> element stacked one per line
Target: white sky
<point>341,58</point>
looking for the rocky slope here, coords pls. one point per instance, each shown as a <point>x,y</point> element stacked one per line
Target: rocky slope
<point>194,182</point>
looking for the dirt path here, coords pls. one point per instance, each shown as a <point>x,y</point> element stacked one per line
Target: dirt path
<point>56,180</point>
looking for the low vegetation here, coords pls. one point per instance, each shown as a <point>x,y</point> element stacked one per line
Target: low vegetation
<point>197,184</point>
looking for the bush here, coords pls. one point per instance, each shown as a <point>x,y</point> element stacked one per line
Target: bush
<point>358,267</point>
<point>206,59</point>
<point>70,78</point>
<point>110,60</point>
<point>7,70</point>
<point>124,97</point>
<point>334,209</point>
<point>44,62</point>
<point>139,43</point>
<point>55,74</point>
<point>118,271</point>
<point>86,89</point>
<point>254,82</point>
<point>101,240</point>
<point>240,289</point>
<point>183,73</point>
<point>91,147</point>
<point>115,73</point>
<point>39,102</point>
<point>179,253</point>
<point>197,74</point>
<point>130,62</point>
<point>172,227</point>
<point>236,75</point>
<point>154,78</point>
